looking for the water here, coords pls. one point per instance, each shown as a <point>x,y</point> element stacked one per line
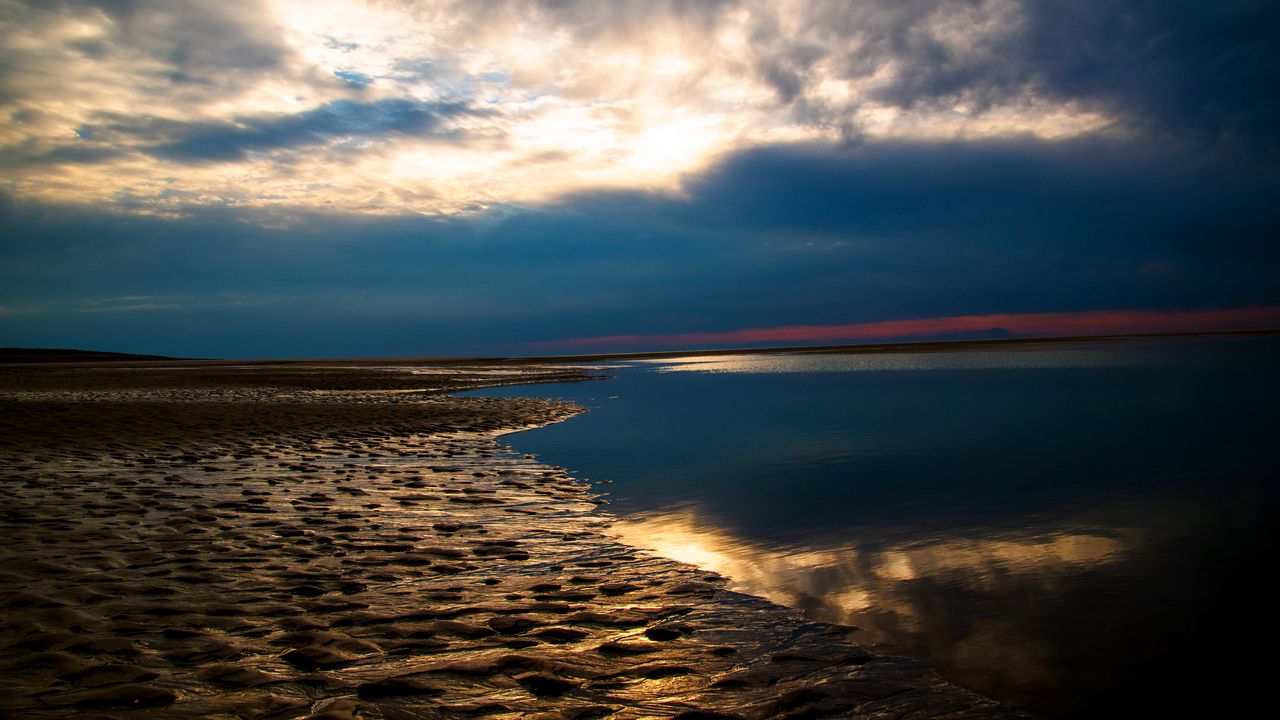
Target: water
<point>1082,531</point>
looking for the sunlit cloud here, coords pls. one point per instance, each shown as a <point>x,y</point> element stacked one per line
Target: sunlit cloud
<point>455,107</point>
<point>1097,322</point>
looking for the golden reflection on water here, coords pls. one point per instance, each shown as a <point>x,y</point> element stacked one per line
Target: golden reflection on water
<point>780,572</point>
<point>1023,358</point>
<point>920,598</point>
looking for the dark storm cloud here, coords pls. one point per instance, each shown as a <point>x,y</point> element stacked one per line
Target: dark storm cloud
<point>1180,65</point>
<point>1166,66</point>
<point>1089,192</point>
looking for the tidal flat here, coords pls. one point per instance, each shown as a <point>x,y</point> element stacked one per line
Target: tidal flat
<point>347,540</point>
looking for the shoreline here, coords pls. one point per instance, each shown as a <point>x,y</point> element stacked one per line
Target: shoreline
<point>273,549</point>
<point>59,358</point>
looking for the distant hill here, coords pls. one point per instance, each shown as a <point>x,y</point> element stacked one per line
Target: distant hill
<point>51,355</point>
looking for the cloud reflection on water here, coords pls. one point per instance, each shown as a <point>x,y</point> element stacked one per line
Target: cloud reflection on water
<point>924,598</point>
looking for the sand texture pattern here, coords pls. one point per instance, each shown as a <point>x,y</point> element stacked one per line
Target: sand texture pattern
<point>290,541</point>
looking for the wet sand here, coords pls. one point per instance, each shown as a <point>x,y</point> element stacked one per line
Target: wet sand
<point>290,540</point>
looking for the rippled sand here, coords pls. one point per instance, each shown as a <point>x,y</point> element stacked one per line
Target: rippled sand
<point>282,541</point>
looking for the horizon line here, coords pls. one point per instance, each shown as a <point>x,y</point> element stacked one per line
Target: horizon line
<point>1012,325</point>
<point>125,359</point>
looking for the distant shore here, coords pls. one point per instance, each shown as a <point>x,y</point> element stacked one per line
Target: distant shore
<point>71,357</point>
<point>928,346</point>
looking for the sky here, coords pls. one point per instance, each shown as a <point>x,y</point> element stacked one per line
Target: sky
<point>325,178</point>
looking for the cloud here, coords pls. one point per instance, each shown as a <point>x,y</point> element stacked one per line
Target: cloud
<point>341,120</point>
<point>66,57</point>
<point>569,96</point>
<point>1179,66</point>
<point>124,105</point>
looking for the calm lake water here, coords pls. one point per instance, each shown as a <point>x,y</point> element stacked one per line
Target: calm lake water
<point>1081,531</point>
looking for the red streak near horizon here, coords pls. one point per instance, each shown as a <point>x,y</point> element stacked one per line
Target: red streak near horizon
<point>1097,322</point>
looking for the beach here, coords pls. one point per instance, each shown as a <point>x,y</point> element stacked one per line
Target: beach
<point>345,540</point>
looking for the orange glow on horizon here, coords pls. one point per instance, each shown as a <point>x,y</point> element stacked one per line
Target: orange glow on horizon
<point>1096,322</point>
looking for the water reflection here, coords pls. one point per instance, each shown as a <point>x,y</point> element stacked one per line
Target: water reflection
<point>893,593</point>
<point>1084,356</point>
<point>788,575</point>
<point>1080,531</point>
<point>1062,619</point>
